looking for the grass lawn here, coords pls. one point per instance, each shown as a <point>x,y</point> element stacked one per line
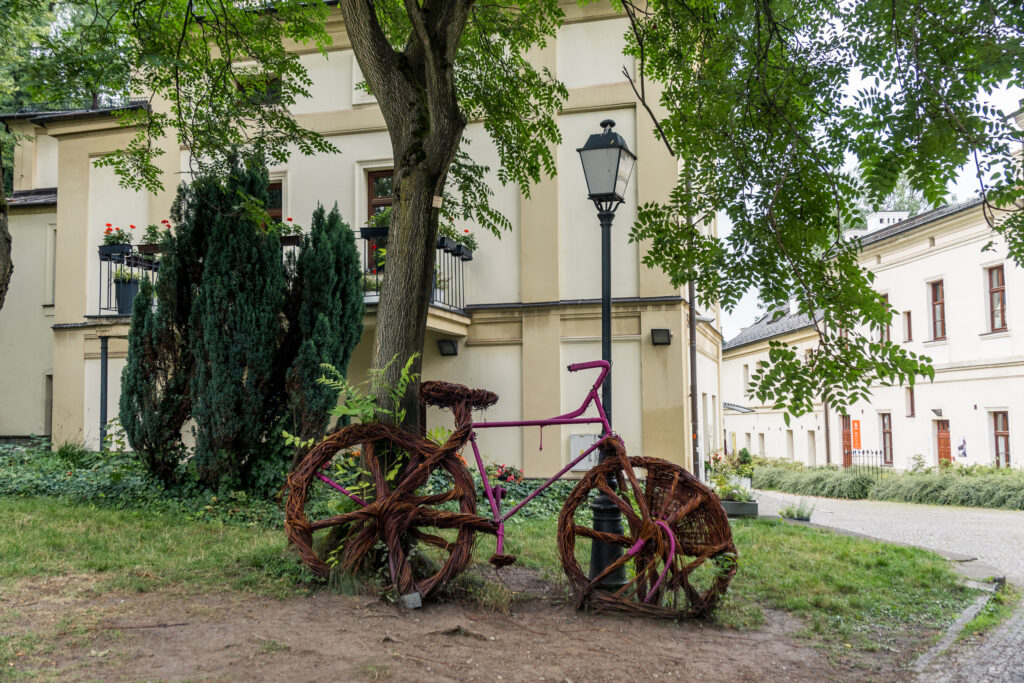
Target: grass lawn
<point>852,593</point>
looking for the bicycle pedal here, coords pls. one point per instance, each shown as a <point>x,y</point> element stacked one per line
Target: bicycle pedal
<point>500,561</point>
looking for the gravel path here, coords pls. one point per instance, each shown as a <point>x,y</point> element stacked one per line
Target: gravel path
<point>995,537</point>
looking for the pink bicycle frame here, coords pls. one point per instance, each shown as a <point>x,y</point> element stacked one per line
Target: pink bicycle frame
<point>574,417</point>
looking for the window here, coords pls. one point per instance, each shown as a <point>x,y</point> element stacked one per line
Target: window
<point>380,186</point>
<point>760,444</point>
<point>910,401</point>
<point>908,330</point>
<point>886,334</point>
<point>746,379</point>
<point>938,298</point>
<point>1001,431</point>
<point>380,191</point>
<point>996,299</point>
<point>886,420</point>
<point>275,204</point>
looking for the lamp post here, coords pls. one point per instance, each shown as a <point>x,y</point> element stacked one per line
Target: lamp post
<point>607,165</point>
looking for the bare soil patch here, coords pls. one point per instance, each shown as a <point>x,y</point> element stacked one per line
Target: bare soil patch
<point>75,634</point>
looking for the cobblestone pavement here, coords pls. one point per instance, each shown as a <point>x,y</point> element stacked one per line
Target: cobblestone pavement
<point>995,537</point>
<point>1000,657</point>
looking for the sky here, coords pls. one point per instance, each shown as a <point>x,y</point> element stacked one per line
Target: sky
<point>746,311</point>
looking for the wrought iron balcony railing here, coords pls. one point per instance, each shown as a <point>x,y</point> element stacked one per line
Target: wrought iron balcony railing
<point>449,290</point>
<point>122,268</point>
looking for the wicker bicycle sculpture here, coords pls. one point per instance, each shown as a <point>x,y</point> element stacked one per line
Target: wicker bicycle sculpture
<point>677,546</point>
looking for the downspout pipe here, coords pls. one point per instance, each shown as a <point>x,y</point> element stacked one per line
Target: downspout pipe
<point>693,380</point>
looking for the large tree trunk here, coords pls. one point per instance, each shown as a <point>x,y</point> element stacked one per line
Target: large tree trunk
<point>416,92</point>
<point>6,266</point>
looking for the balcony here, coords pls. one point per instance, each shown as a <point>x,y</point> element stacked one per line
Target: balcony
<point>449,290</point>
<point>122,269</point>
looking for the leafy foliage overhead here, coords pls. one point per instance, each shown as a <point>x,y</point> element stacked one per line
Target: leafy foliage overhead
<point>754,99</point>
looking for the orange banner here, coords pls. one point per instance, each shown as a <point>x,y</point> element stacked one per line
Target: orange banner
<point>856,434</point>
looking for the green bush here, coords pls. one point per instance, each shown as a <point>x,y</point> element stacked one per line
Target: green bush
<point>119,480</point>
<point>972,486</point>
<point>1004,490</point>
<point>825,482</point>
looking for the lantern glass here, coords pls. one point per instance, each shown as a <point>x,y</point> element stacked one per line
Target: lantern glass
<point>607,164</point>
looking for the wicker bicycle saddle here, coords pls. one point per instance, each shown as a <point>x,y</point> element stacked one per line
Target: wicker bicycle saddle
<point>449,395</point>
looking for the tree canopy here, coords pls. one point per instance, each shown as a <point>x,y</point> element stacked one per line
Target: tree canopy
<point>751,96</point>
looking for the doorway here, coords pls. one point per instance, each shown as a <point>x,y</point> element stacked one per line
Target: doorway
<point>847,442</point>
<point>942,441</point>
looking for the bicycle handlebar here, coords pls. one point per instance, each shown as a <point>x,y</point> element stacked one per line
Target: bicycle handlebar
<point>591,364</point>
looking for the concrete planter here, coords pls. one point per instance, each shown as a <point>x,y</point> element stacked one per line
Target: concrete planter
<point>735,509</point>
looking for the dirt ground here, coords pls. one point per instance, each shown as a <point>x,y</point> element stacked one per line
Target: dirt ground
<point>71,633</point>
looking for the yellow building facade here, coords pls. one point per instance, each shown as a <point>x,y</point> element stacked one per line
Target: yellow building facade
<point>530,303</point>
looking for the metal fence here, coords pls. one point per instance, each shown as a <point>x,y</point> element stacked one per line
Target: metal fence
<point>867,462</point>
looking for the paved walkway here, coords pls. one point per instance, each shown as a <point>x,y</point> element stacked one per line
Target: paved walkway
<point>995,537</point>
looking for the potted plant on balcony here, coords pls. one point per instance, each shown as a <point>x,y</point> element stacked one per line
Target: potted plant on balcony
<point>152,237</point>
<point>465,244</point>
<point>291,233</point>
<point>377,227</point>
<point>115,241</point>
<point>126,286</point>
<point>447,238</point>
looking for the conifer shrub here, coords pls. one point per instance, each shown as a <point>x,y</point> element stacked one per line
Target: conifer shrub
<point>237,335</point>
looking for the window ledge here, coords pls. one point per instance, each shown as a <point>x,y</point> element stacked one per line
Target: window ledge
<point>998,334</point>
<point>936,342</point>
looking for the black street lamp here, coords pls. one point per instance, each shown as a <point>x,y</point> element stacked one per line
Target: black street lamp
<point>607,165</point>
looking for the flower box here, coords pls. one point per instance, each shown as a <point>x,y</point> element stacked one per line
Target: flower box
<point>149,248</point>
<point>111,249</point>
<point>373,233</point>
<point>734,509</point>
<point>371,298</point>
<point>463,252</point>
<point>291,240</point>
<point>447,244</point>
<point>124,293</point>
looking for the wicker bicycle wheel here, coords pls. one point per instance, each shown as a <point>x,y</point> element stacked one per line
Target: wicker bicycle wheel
<point>676,544</point>
<point>396,516</point>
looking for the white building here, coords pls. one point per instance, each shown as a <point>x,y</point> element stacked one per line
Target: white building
<point>959,300</point>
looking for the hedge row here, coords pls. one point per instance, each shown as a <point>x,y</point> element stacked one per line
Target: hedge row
<point>1005,490</point>
<point>828,483</point>
<point>987,491</point>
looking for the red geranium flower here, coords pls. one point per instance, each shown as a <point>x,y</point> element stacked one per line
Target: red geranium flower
<point>132,227</point>
<point>108,225</point>
<point>466,231</point>
<point>108,230</point>
<point>289,219</point>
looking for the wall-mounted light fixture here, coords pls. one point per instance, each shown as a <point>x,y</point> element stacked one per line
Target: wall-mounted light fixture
<point>448,347</point>
<point>661,337</point>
